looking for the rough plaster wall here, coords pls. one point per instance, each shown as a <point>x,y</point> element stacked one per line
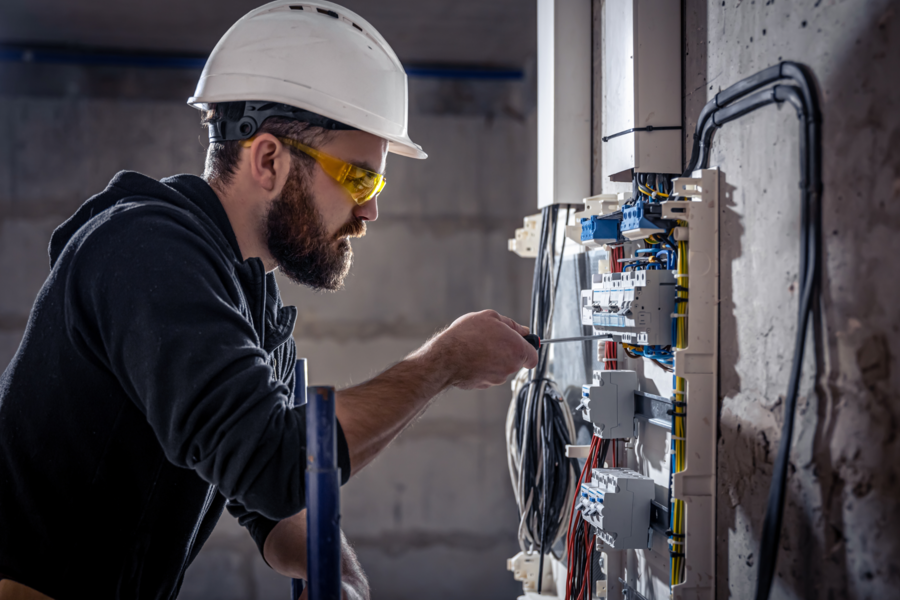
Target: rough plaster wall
<point>839,538</point>
<point>434,516</point>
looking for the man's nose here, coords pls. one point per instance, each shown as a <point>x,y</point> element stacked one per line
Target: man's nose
<point>367,211</point>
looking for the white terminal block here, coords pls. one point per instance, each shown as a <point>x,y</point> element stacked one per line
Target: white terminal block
<point>617,503</point>
<point>609,403</point>
<point>525,568</point>
<point>633,307</point>
<point>527,239</point>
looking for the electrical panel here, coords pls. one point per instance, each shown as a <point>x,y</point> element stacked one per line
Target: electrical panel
<point>646,494</point>
<point>617,502</point>
<point>608,403</point>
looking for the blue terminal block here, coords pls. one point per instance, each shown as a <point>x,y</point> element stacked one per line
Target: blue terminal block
<point>638,221</point>
<point>599,231</point>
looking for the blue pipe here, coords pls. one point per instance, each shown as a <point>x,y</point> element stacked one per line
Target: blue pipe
<point>105,57</point>
<point>323,489</point>
<point>300,379</point>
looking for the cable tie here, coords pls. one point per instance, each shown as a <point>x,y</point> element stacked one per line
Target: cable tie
<point>679,403</point>
<point>675,437</point>
<point>671,533</point>
<point>679,393</point>
<point>678,315</point>
<point>676,414</point>
<point>676,554</point>
<point>682,275</point>
<point>648,128</point>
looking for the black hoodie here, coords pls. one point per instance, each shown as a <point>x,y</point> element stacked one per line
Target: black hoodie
<point>154,380</point>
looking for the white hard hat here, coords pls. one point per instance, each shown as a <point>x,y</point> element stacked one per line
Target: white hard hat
<point>316,56</point>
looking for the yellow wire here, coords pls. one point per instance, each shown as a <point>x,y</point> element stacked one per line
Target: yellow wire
<point>678,522</point>
<point>650,192</point>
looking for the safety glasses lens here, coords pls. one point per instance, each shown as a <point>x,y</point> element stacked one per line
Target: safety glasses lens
<point>363,185</point>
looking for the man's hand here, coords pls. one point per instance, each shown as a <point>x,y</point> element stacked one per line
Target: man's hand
<point>483,349</point>
<point>285,551</point>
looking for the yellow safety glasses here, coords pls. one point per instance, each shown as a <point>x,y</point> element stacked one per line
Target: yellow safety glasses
<point>361,184</point>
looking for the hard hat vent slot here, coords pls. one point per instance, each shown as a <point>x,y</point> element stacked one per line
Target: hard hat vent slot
<point>330,13</point>
<point>295,7</point>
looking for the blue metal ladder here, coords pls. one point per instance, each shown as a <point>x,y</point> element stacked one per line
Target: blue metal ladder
<point>323,491</point>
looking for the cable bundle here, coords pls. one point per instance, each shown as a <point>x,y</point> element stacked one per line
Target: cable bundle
<point>539,424</point>
<point>679,415</point>
<point>580,538</point>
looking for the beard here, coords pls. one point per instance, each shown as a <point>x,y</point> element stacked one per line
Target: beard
<point>299,242</point>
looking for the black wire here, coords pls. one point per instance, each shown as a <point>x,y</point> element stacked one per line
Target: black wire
<point>803,96</point>
<point>544,445</point>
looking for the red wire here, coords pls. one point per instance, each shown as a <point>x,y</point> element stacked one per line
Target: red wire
<point>587,552</point>
<point>610,351</point>
<point>570,537</point>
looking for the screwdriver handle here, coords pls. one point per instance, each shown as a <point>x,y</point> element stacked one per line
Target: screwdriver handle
<point>534,340</point>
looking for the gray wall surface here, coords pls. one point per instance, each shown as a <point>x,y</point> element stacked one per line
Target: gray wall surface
<point>435,514</point>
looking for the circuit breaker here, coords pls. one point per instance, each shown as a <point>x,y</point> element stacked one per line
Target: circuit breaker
<point>617,503</point>
<point>608,403</point>
<point>633,307</point>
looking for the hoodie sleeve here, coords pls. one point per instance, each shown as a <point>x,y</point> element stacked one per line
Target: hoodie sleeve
<point>150,296</point>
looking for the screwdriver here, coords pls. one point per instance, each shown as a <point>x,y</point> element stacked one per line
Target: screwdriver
<point>537,342</point>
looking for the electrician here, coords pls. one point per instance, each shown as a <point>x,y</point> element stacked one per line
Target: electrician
<point>154,382</point>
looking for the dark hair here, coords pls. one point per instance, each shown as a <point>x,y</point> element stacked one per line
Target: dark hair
<point>222,157</point>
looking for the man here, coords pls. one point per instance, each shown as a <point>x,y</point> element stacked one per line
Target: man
<point>154,382</point>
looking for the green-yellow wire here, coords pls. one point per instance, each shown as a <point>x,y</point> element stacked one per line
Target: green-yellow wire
<point>678,521</point>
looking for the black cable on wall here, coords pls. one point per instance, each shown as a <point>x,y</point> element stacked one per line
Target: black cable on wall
<point>732,103</point>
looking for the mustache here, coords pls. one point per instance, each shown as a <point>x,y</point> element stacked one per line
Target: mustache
<point>354,228</point>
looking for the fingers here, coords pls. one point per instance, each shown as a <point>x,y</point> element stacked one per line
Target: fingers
<point>531,356</point>
<point>520,329</point>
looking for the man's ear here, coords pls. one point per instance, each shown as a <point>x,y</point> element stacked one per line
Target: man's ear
<point>270,163</point>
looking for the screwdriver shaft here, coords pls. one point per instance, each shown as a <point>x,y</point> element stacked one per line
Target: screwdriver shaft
<point>577,339</point>
<point>538,342</point>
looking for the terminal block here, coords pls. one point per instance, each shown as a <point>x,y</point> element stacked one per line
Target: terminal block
<point>633,307</point>
<point>527,239</point>
<point>641,220</point>
<point>596,231</point>
<point>608,403</point>
<point>617,503</point>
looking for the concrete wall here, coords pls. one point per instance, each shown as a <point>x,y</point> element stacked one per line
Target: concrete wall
<point>435,515</point>
<point>840,528</point>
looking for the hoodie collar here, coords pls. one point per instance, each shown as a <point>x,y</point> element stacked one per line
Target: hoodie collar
<point>204,197</point>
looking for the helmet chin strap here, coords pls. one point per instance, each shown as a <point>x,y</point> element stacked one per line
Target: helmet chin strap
<point>226,129</point>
